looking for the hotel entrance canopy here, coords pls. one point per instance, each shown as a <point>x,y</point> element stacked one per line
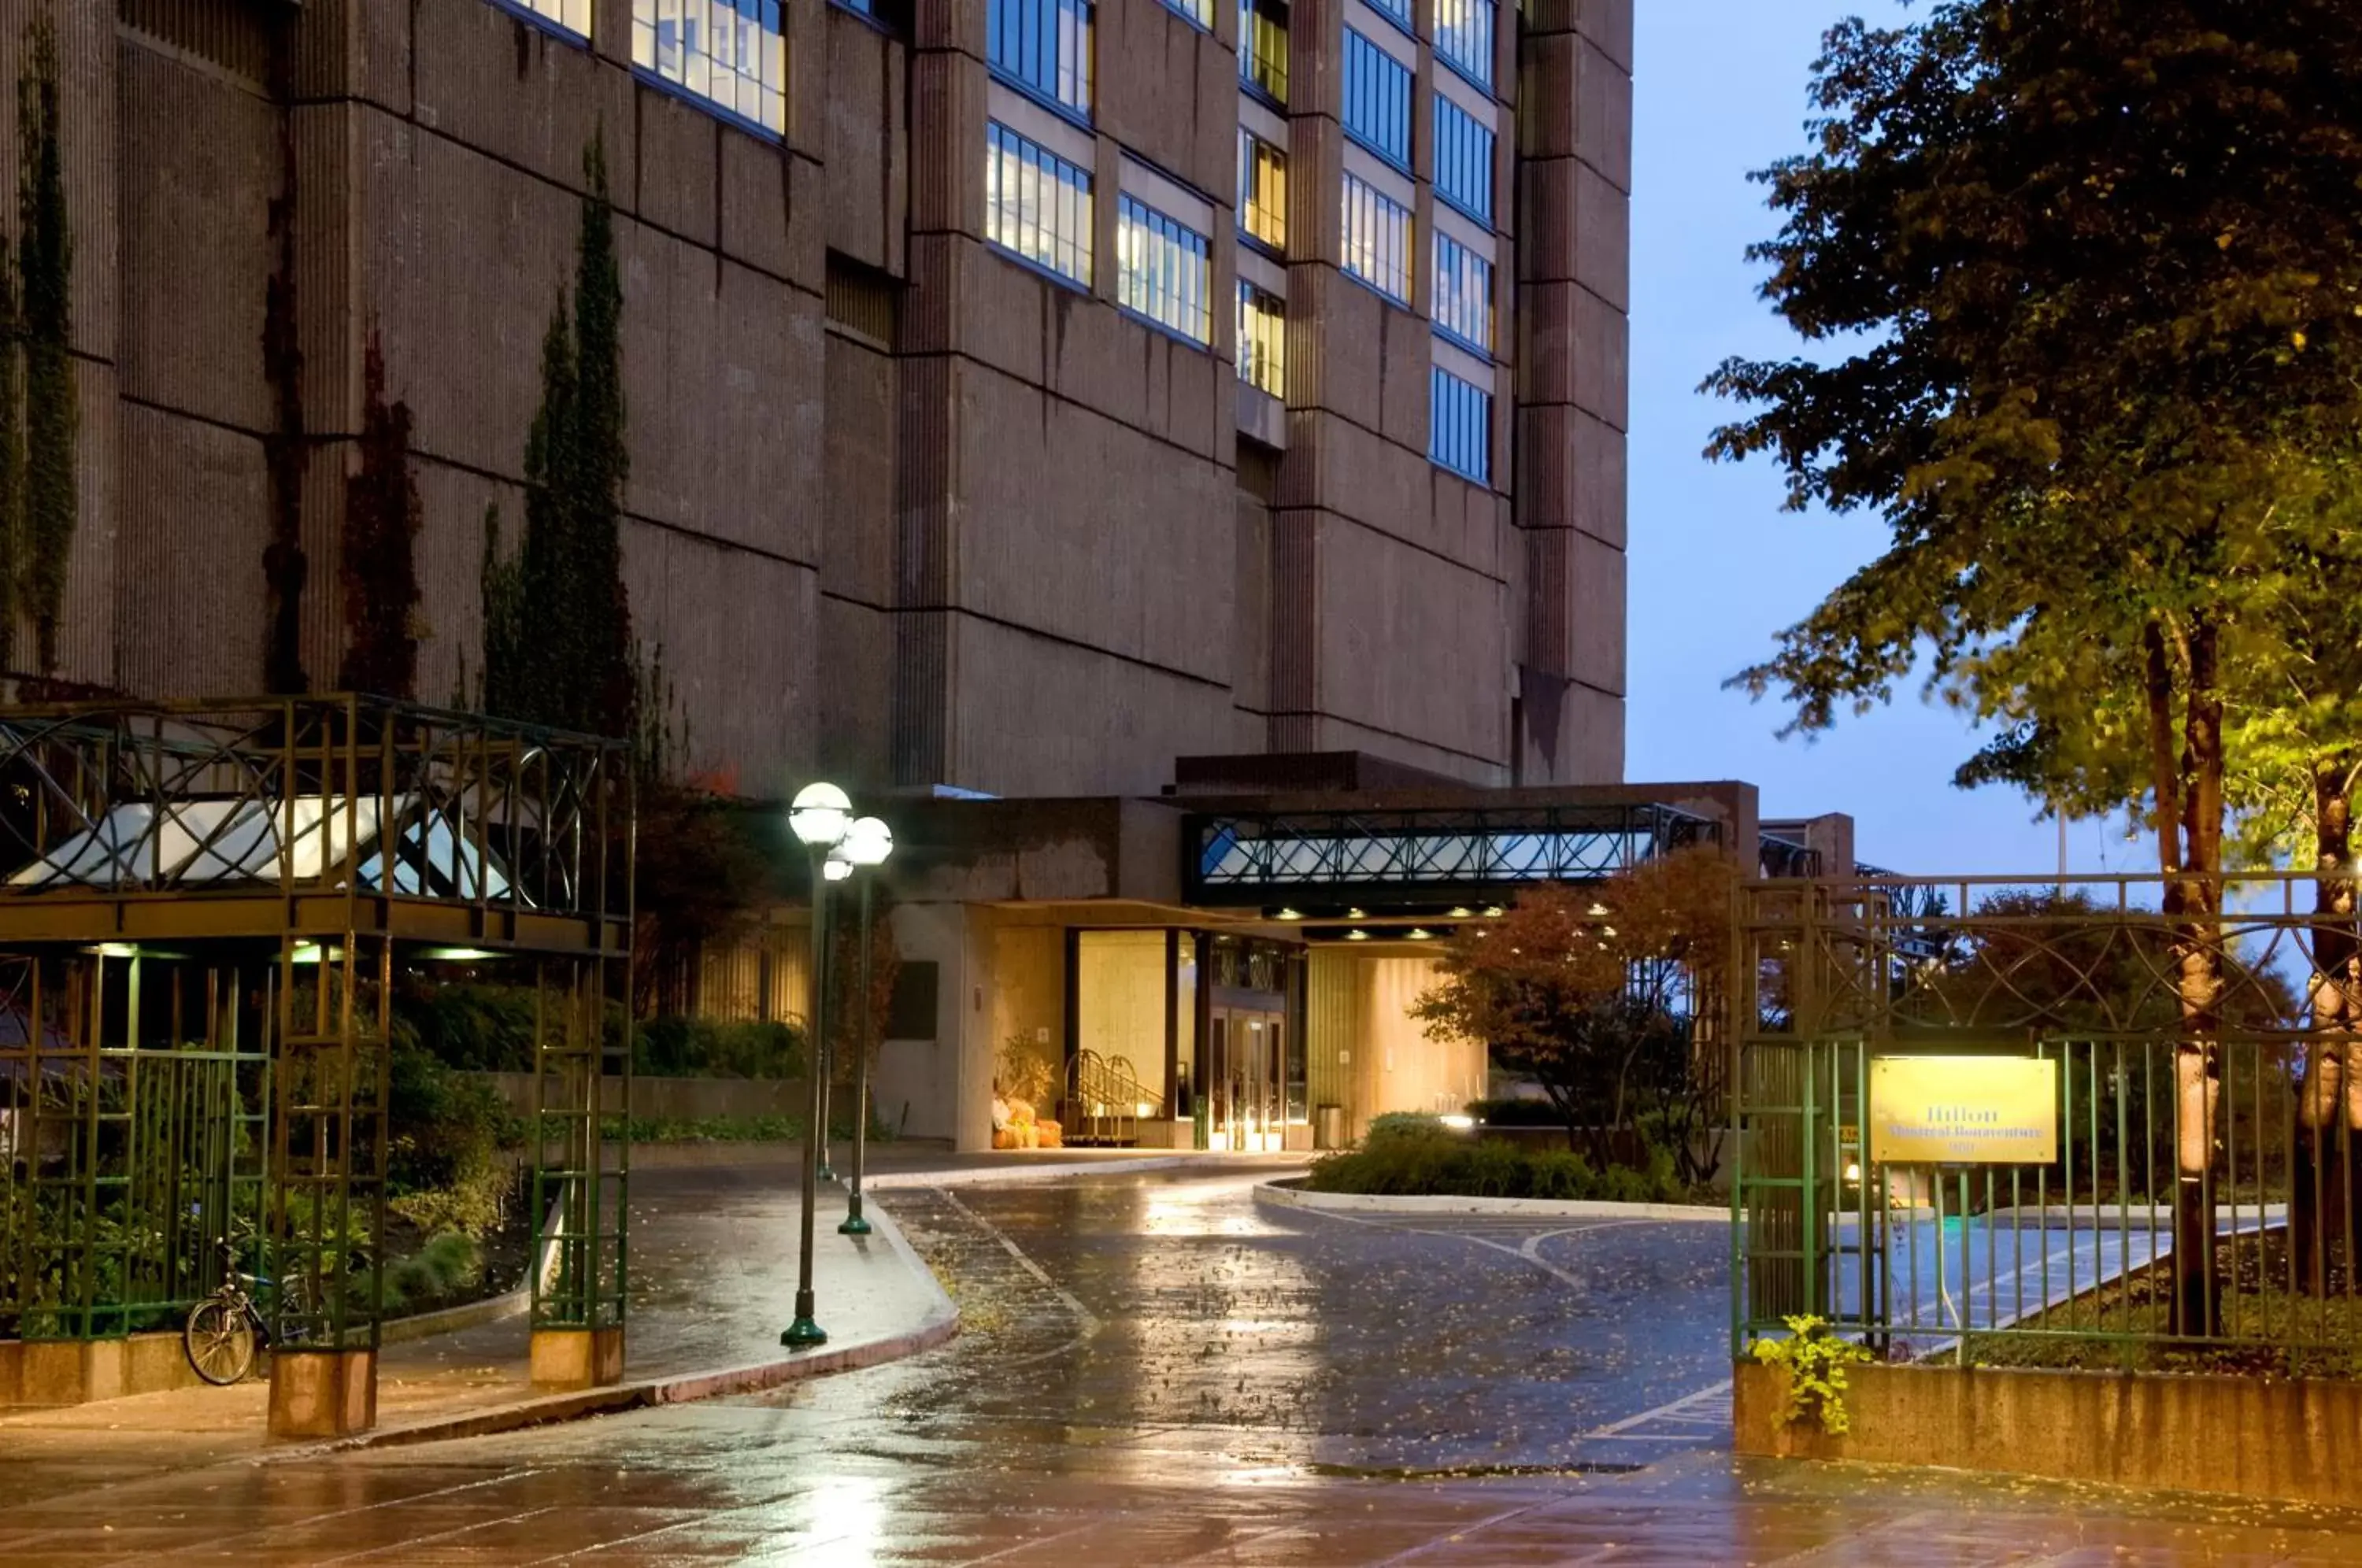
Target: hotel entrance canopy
<point>1427,858</point>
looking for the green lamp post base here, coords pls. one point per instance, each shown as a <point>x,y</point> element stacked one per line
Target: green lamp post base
<point>855,1225</point>
<point>803,1335</point>
<point>827,1173</point>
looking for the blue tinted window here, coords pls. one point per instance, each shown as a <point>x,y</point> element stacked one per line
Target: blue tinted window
<point>1045,46</point>
<point>1377,100</point>
<point>733,54</point>
<point>1464,39</point>
<point>1377,240</point>
<point>1462,428</point>
<point>1036,204</point>
<point>1162,270</point>
<point>1464,160</point>
<point>1463,294</point>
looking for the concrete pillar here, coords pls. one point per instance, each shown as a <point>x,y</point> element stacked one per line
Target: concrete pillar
<point>323,1394</point>
<point>578,1358</point>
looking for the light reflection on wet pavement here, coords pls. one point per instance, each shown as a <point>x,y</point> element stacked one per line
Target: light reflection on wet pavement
<point>1156,1371</point>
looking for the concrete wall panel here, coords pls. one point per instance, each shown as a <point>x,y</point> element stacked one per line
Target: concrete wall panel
<point>1410,645</point>
<point>199,164</point>
<point>1052,713</point>
<point>1074,525</point>
<point>491,81</point>
<point>753,221</point>
<point>738,632</point>
<point>1168,89</point>
<point>188,584</point>
<point>857,543</point>
<point>857,695</point>
<point>718,361</point>
<point>868,150</point>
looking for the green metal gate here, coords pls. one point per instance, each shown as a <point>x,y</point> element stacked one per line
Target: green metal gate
<point>134,1118</point>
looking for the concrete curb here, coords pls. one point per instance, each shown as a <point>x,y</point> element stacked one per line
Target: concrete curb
<point>1005,1176</point>
<point>940,1323</point>
<point>1288,1195</point>
<point>451,1319</point>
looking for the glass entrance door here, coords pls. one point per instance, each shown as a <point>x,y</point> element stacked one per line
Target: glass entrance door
<point>1248,1080</point>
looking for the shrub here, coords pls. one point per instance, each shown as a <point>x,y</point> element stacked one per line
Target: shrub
<point>1410,1156</point>
<point>1403,1121</point>
<point>681,1048</point>
<point>479,1027</point>
<point>448,1133</point>
<point>447,1263</point>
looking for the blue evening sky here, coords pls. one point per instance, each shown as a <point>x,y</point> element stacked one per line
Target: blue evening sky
<point>1716,568</point>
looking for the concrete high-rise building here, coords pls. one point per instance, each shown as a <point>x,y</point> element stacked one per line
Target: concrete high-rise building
<point>1029,398</point>
<point>1021,394</point>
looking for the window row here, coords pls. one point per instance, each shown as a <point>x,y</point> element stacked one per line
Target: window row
<point>1377,100</point>
<point>1459,426</point>
<point>1463,294</point>
<point>1200,12</point>
<point>1464,160</point>
<point>732,53</point>
<point>1045,46</point>
<point>1036,204</point>
<point>1263,48</point>
<point>1262,339</point>
<point>1464,39</point>
<point>574,15</point>
<point>1163,271</point>
<point>1263,191</point>
<point>1377,240</point>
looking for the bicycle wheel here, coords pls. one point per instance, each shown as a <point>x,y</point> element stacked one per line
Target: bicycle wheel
<point>219,1337</point>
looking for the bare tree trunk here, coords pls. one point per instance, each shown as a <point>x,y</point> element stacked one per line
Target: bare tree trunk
<point>2188,798</point>
<point>2329,1104</point>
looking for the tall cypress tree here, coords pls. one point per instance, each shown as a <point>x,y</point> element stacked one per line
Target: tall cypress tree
<point>45,264</point>
<point>557,628</point>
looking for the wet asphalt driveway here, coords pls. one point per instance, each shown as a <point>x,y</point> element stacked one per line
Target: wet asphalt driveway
<point>1154,1371</point>
<point>1282,1337</point>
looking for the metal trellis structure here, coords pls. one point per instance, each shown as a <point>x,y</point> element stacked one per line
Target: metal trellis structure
<point>204,909</point>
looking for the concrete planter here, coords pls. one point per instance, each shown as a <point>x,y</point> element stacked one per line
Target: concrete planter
<point>2291,1439</point>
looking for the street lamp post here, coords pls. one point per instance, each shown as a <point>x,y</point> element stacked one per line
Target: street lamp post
<point>834,869</point>
<point>866,844</point>
<point>817,817</point>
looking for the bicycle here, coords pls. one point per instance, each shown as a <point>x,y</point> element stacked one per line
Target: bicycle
<point>225,1329</point>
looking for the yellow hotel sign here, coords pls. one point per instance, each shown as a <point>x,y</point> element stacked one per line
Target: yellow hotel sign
<point>1963,1111</point>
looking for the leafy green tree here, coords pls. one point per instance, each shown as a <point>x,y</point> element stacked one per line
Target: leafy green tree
<point>45,268</point>
<point>2088,275</point>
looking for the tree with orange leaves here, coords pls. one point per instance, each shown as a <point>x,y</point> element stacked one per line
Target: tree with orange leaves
<point>1592,992</point>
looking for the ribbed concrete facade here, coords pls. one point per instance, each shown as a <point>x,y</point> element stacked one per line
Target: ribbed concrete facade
<point>901,507</point>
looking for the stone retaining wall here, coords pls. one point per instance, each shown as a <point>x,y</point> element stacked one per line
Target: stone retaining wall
<point>2291,1440</point>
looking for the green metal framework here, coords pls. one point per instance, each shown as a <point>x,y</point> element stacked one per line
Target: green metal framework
<point>134,1107</point>
<point>581,1170</point>
<point>1971,1260</point>
<point>203,910</point>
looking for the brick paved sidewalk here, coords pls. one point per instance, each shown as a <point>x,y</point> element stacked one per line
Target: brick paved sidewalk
<point>713,1283</point>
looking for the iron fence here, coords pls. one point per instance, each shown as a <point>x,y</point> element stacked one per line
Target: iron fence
<point>2202,1203</point>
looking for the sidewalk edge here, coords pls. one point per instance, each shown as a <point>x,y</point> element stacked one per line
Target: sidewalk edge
<point>1283,1195</point>
<point>938,1324</point>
